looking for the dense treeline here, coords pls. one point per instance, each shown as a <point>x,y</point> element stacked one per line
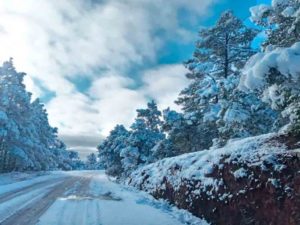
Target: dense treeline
<point>235,92</point>
<point>27,141</point>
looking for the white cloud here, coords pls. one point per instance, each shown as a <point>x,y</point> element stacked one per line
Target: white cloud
<point>164,84</point>
<point>56,40</point>
<point>112,101</point>
<point>73,114</point>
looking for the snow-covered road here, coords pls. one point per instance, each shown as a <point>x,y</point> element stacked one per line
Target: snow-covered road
<point>83,198</point>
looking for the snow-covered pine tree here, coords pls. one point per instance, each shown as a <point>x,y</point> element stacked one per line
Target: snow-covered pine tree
<point>110,150</point>
<point>183,135</point>
<point>44,136</point>
<point>214,70</point>
<point>151,116</point>
<point>142,139</point>
<point>91,162</point>
<point>145,133</point>
<point>244,115</point>
<point>171,125</point>
<point>275,71</point>
<point>27,141</point>
<point>50,152</point>
<point>280,22</point>
<point>14,104</point>
<point>275,74</point>
<point>76,162</point>
<point>222,49</point>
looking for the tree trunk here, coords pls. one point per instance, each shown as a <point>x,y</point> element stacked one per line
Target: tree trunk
<point>226,61</point>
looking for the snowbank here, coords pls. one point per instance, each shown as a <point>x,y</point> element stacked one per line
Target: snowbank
<point>253,179</point>
<point>253,151</point>
<point>285,60</point>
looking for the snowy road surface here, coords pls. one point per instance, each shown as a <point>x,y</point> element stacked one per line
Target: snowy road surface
<point>82,198</point>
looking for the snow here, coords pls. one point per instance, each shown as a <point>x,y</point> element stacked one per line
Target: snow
<point>11,206</point>
<point>279,90</point>
<point>16,181</point>
<point>258,11</point>
<point>198,166</point>
<point>288,12</point>
<point>285,60</point>
<point>276,3</point>
<point>240,173</point>
<point>91,198</point>
<point>7,178</point>
<point>235,114</point>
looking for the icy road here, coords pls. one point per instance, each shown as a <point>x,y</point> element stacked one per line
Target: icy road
<point>82,198</point>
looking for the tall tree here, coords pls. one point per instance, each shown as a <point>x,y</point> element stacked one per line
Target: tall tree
<point>145,133</point>
<point>151,116</point>
<point>27,141</point>
<point>214,70</point>
<point>110,150</point>
<point>274,72</point>
<point>91,162</point>
<point>224,48</point>
<point>15,103</point>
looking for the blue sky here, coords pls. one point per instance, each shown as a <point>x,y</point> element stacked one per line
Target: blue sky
<point>94,62</point>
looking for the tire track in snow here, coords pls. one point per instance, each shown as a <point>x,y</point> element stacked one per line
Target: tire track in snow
<point>77,207</point>
<point>30,214</point>
<point>15,193</point>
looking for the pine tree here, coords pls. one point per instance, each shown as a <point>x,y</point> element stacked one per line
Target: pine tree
<point>243,116</point>
<point>76,162</point>
<point>110,150</point>
<point>183,135</point>
<point>91,162</point>
<point>151,116</point>
<point>28,142</point>
<point>224,48</point>
<point>146,132</point>
<point>281,22</point>
<point>15,103</point>
<point>214,71</point>
<point>274,72</point>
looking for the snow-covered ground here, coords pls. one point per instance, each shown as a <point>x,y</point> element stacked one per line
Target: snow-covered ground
<point>198,166</point>
<point>81,197</point>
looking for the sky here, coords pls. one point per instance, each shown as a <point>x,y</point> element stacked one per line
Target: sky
<point>94,62</point>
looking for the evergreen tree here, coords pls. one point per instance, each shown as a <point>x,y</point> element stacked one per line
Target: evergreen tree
<point>76,162</point>
<point>146,132</point>
<point>224,48</point>
<point>214,71</point>
<point>91,162</point>
<point>274,72</point>
<point>280,21</point>
<point>110,150</point>
<point>15,103</point>
<point>151,116</point>
<point>244,115</point>
<point>27,141</point>
<point>183,135</point>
